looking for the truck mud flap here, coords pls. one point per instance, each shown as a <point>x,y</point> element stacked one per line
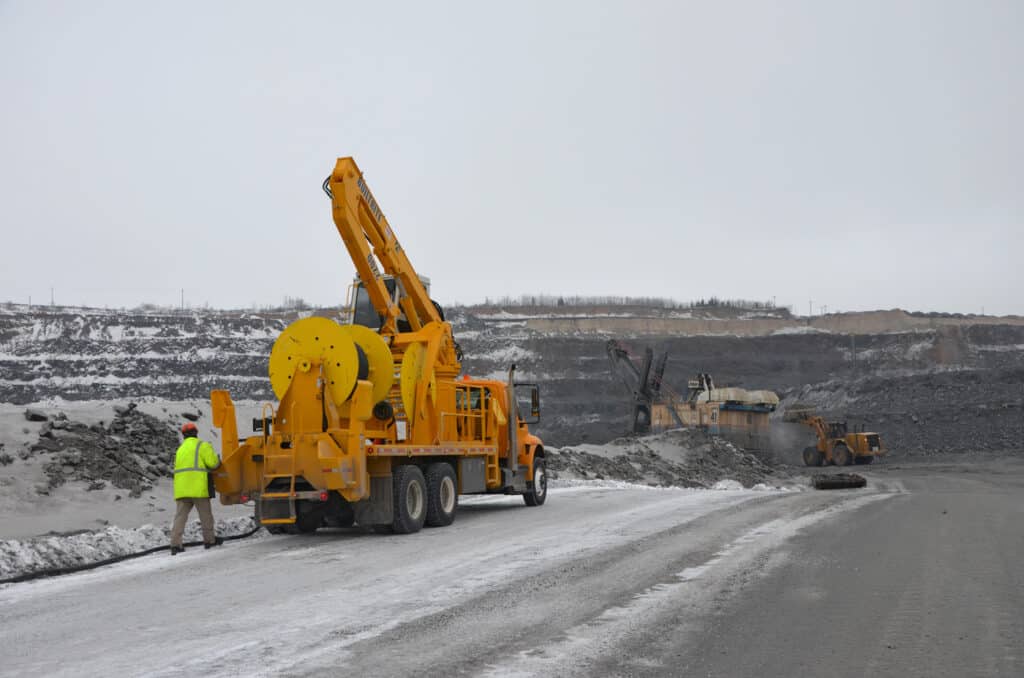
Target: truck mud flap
<point>274,509</point>
<point>379,508</point>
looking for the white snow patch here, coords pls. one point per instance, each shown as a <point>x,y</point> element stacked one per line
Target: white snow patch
<point>507,354</point>
<point>998,348</point>
<point>31,555</point>
<point>800,329</point>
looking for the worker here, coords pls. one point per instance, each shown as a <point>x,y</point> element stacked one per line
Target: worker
<point>192,465</point>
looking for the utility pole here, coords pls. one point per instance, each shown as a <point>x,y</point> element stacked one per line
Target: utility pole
<point>51,297</point>
<point>810,311</point>
<point>182,298</point>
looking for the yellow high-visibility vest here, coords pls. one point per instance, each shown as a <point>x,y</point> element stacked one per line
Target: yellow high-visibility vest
<point>192,462</point>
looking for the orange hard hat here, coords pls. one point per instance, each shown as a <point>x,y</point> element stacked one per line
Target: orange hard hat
<point>188,427</point>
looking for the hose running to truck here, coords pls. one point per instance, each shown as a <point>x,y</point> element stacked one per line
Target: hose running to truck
<point>71,569</point>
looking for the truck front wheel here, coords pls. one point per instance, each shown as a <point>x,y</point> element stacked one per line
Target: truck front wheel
<point>410,499</point>
<point>537,489</point>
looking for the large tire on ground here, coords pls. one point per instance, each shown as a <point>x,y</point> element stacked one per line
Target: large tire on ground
<point>537,489</point>
<point>841,455</point>
<point>838,481</point>
<point>812,457</point>
<point>863,461</point>
<point>442,495</point>
<point>410,499</point>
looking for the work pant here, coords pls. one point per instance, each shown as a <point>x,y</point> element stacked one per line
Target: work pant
<point>202,505</point>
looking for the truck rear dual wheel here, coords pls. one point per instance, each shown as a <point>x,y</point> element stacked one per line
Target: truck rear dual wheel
<point>442,495</point>
<point>410,499</point>
<point>537,490</point>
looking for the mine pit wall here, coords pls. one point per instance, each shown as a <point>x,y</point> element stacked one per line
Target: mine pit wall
<point>871,322</point>
<point>952,387</point>
<point>955,388</point>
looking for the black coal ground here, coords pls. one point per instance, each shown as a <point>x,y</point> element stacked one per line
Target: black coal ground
<point>132,452</point>
<point>678,458</point>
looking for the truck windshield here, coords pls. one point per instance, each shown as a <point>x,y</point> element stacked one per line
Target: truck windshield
<point>363,312</point>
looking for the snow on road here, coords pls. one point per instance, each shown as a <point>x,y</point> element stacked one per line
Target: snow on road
<point>286,604</point>
<point>294,597</point>
<point>571,656</point>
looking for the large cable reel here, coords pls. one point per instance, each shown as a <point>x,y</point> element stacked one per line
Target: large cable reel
<point>346,352</point>
<point>414,370</point>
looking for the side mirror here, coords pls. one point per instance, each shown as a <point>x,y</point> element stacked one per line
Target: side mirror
<point>528,393</point>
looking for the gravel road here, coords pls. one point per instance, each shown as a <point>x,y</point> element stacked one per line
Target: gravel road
<point>599,582</point>
<point>929,584</point>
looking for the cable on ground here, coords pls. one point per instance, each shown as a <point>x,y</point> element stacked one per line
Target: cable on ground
<point>71,569</point>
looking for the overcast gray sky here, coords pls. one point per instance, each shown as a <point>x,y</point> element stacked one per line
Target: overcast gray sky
<point>861,154</point>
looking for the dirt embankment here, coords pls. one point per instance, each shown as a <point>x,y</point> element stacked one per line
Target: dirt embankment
<point>681,458</point>
<point>870,322</point>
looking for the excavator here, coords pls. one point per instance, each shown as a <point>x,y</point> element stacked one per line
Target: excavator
<point>644,383</point>
<point>374,426</point>
<point>836,444</point>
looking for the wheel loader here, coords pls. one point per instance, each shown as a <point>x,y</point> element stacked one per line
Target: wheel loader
<point>375,425</point>
<point>836,444</point>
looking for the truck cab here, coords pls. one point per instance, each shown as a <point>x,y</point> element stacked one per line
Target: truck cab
<point>359,308</point>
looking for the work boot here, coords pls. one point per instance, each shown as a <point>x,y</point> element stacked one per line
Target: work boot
<point>175,550</point>
<point>217,541</point>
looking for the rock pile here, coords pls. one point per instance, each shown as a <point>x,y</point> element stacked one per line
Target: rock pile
<point>680,458</point>
<point>131,453</point>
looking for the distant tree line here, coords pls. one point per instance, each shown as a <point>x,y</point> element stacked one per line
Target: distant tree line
<point>557,301</point>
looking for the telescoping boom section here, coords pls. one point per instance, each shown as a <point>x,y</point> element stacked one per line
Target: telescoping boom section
<point>376,426</point>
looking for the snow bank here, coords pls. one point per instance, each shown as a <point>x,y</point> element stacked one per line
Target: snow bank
<point>42,553</point>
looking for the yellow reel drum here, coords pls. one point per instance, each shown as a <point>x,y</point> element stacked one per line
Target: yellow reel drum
<point>347,352</point>
<point>413,371</point>
<point>381,364</point>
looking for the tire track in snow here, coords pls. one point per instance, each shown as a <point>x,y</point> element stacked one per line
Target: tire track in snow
<point>584,648</point>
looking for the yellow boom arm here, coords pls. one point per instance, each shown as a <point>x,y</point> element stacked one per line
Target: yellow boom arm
<point>362,225</point>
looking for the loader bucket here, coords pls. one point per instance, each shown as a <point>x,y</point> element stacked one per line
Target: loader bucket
<point>798,413</point>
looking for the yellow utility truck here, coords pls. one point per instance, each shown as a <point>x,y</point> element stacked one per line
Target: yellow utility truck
<point>836,444</point>
<point>374,424</point>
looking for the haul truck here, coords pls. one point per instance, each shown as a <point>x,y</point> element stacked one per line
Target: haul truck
<point>374,425</point>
